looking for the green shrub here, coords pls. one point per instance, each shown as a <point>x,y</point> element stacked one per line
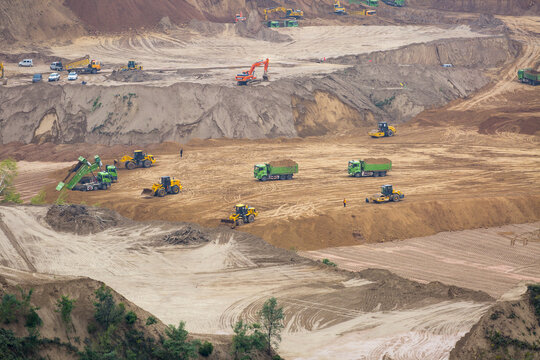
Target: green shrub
<point>39,199</point>
<point>328,262</point>
<point>65,306</point>
<point>151,320</point>
<point>534,298</point>
<point>131,317</point>
<point>206,349</point>
<point>106,311</point>
<point>8,308</point>
<point>91,327</point>
<point>32,319</point>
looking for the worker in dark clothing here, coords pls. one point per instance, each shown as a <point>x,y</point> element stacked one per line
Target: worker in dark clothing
<point>344,202</point>
<point>181,152</point>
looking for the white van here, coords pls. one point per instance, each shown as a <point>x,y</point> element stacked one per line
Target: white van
<point>26,63</point>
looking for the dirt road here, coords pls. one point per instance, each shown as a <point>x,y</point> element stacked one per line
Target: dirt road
<point>452,180</point>
<point>211,284</point>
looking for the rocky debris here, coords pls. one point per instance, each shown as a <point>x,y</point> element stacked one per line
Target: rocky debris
<point>189,235</point>
<point>80,219</point>
<point>133,76</point>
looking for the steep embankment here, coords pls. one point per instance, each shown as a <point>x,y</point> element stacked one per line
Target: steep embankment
<point>377,86</point>
<point>509,330</point>
<point>502,7</point>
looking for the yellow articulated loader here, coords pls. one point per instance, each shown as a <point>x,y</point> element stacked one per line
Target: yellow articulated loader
<point>384,130</point>
<point>388,193</point>
<point>165,187</point>
<point>243,214</point>
<point>139,159</point>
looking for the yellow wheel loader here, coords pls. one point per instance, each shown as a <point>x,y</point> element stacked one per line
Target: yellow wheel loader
<point>243,214</point>
<point>388,193</point>
<point>139,159</point>
<point>384,130</point>
<point>165,187</point>
<point>132,65</point>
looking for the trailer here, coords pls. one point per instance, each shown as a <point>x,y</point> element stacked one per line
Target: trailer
<point>275,170</point>
<point>369,167</point>
<point>529,76</point>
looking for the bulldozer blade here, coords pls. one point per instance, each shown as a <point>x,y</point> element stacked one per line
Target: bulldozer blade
<point>147,192</point>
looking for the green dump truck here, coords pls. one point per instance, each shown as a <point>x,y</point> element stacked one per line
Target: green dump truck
<point>374,3</point>
<point>275,170</point>
<point>398,3</point>
<point>369,167</point>
<point>529,76</point>
<point>81,176</point>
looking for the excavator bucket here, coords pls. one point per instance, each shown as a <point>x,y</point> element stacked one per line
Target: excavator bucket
<point>147,192</point>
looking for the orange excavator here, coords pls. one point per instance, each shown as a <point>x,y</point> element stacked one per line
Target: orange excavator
<point>248,77</point>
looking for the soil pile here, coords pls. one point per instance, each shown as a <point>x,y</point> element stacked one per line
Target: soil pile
<point>508,330</point>
<point>80,219</point>
<point>283,163</point>
<point>378,161</point>
<point>254,28</point>
<point>133,76</point>
<point>189,235</point>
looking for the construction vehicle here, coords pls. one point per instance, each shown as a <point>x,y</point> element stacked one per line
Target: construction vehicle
<point>84,66</point>
<point>275,170</point>
<point>288,13</point>
<point>363,12</point>
<point>373,3</point>
<point>164,187</point>
<point>338,9</point>
<point>529,76</point>
<point>384,130</point>
<point>112,171</point>
<point>139,159</point>
<point>82,176</point>
<point>369,167</point>
<point>243,214</point>
<point>398,3</point>
<point>132,65</point>
<point>248,77</point>
<point>387,194</point>
<point>239,18</point>
<point>1,70</point>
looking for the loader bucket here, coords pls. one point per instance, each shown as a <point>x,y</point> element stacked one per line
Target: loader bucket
<point>147,192</point>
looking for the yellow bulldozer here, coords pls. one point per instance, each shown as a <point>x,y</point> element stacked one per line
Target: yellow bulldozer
<point>164,187</point>
<point>139,159</point>
<point>132,65</point>
<point>243,214</point>
<point>384,130</point>
<point>388,193</point>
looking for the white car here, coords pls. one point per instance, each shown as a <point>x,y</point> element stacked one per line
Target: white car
<point>26,63</point>
<point>73,76</point>
<point>54,77</point>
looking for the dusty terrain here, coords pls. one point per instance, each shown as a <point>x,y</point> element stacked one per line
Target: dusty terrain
<point>213,283</point>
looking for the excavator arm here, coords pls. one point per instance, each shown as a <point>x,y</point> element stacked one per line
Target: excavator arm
<point>78,171</point>
<point>248,76</point>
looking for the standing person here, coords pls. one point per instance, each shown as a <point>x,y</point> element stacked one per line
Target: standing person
<point>344,202</point>
<point>181,152</point>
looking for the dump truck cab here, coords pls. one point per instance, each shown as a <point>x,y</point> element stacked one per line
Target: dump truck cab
<point>260,170</point>
<point>354,167</point>
<point>113,172</point>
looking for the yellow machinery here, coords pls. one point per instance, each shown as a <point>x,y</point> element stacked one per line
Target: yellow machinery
<point>387,194</point>
<point>243,214</point>
<point>290,13</point>
<point>363,12</point>
<point>384,130</point>
<point>1,70</point>
<point>132,65</point>
<point>166,186</point>
<point>139,159</point>
<point>338,9</point>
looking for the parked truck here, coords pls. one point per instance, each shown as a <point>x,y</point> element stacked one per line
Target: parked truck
<point>398,3</point>
<point>373,3</point>
<point>369,167</point>
<point>529,76</point>
<point>84,66</point>
<point>275,170</point>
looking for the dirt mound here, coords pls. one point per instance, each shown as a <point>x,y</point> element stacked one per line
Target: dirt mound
<point>378,161</point>
<point>80,219</point>
<point>489,21</point>
<point>189,235</point>
<point>113,16</point>
<point>134,76</point>
<point>283,163</point>
<point>254,28</point>
<point>508,330</point>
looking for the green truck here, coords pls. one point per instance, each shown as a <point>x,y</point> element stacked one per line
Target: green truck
<point>529,76</point>
<point>369,167</point>
<point>81,176</point>
<point>373,3</point>
<point>275,170</point>
<point>398,3</point>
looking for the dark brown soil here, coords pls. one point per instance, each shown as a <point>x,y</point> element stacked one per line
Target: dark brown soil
<point>189,235</point>
<point>81,219</point>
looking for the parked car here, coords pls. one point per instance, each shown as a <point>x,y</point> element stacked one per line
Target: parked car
<point>26,63</point>
<point>73,76</point>
<point>54,77</point>
<point>57,66</point>
<point>37,78</point>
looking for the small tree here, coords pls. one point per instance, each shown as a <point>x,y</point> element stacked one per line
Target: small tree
<point>106,311</point>
<point>131,317</point>
<point>65,306</point>
<point>39,199</point>
<point>272,323</point>
<point>246,338</point>
<point>176,346</point>
<point>8,173</point>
